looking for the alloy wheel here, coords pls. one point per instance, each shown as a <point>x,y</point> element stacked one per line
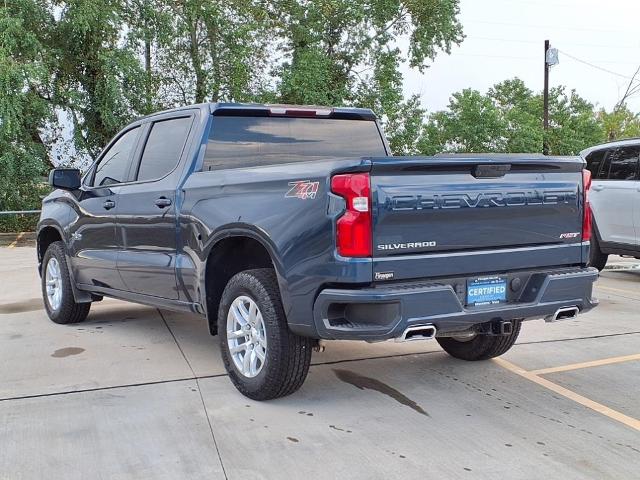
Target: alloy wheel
<point>246,336</point>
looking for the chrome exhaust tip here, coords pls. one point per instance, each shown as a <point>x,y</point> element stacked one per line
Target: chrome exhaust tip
<point>564,313</point>
<point>417,332</point>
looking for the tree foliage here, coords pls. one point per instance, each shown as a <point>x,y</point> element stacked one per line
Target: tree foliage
<point>472,123</point>
<point>97,64</point>
<point>509,119</point>
<point>24,109</point>
<point>619,123</point>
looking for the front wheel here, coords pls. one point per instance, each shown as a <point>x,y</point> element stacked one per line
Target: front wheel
<point>56,288</point>
<point>480,346</point>
<point>264,359</point>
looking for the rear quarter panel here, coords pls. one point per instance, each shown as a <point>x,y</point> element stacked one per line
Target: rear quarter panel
<point>297,230</point>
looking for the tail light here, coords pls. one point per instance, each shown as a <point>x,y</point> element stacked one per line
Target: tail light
<point>586,212</point>
<point>353,228</point>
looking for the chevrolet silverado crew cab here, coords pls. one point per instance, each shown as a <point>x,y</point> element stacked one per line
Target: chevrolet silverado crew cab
<point>284,225</point>
<point>615,199</point>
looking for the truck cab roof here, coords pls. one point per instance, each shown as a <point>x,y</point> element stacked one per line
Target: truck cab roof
<point>278,110</point>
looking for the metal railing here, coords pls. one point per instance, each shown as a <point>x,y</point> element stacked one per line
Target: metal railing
<point>19,212</point>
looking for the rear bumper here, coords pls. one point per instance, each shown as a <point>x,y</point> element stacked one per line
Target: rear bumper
<point>384,312</point>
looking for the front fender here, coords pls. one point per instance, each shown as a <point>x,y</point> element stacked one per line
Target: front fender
<point>56,214</point>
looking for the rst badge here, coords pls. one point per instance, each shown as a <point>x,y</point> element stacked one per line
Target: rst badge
<point>303,189</point>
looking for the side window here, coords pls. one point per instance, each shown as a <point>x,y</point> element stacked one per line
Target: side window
<point>594,162</point>
<point>623,164</point>
<point>163,148</point>
<point>114,164</point>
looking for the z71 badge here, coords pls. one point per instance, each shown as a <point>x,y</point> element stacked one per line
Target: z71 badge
<point>303,189</point>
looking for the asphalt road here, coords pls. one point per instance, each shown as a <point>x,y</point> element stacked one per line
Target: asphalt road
<point>135,392</point>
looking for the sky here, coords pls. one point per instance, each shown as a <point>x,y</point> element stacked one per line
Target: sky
<point>505,39</point>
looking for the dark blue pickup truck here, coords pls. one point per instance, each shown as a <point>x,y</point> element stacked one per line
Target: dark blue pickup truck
<point>286,225</point>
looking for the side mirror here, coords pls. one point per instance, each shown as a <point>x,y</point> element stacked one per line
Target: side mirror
<point>65,178</point>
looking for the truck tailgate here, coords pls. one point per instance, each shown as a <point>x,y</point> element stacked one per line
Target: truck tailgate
<point>470,205</point>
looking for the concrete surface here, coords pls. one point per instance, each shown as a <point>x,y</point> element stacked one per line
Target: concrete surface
<point>139,393</point>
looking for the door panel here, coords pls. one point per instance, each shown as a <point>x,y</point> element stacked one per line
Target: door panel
<point>147,233</point>
<point>613,194</point>
<point>613,207</point>
<point>93,243</point>
<point>636,212</point>
<point>146,221</point>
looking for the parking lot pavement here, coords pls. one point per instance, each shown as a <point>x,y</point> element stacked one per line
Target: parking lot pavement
<point>139,393</point>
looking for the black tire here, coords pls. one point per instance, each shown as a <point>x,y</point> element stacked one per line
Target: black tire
<point>69,311</point>
<point>597,259</point>
<point>480,347</point>
<point>287,356</point>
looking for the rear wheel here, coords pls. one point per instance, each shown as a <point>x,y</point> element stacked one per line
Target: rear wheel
<point>56,288</point>
<point>479,346</point>
<point>597,259</point>
<point>264,359</point>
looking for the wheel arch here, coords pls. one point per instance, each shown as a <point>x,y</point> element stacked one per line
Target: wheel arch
<point>47,234</point>
<point>230,251</point>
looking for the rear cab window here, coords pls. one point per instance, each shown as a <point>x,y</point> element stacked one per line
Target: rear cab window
<point>250,141</point>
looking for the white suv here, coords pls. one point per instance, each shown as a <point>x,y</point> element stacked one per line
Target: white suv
<point>615,199</point>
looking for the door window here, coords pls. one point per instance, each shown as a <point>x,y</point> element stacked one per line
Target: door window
<point>622,164</point>
<point>595,161</point>
<point>164,148</point>
<point>114,165</point>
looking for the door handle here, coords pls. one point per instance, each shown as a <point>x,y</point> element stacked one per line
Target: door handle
<point>598,188</point>
<point>109,204</point>
<point>163,202</point>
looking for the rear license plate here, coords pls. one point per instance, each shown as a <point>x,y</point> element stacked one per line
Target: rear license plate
<point>486,291</point>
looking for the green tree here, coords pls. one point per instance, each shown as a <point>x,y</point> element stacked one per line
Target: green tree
<point>382,92</point>
<point>509,119</point>
<point>100,83</point>
<point>619,123</point>
<point>148,22</point>
<point>345,52</point>
<point>212,50</point>
<point>521,112</point>
<point>573,123</point>
<point>25,112</point>
<point>472,123</point>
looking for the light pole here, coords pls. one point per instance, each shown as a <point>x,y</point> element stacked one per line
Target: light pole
<point>550,59</point>
<point>545,121</point>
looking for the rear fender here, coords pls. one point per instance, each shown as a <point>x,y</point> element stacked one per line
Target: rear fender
<point>249,231</point>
